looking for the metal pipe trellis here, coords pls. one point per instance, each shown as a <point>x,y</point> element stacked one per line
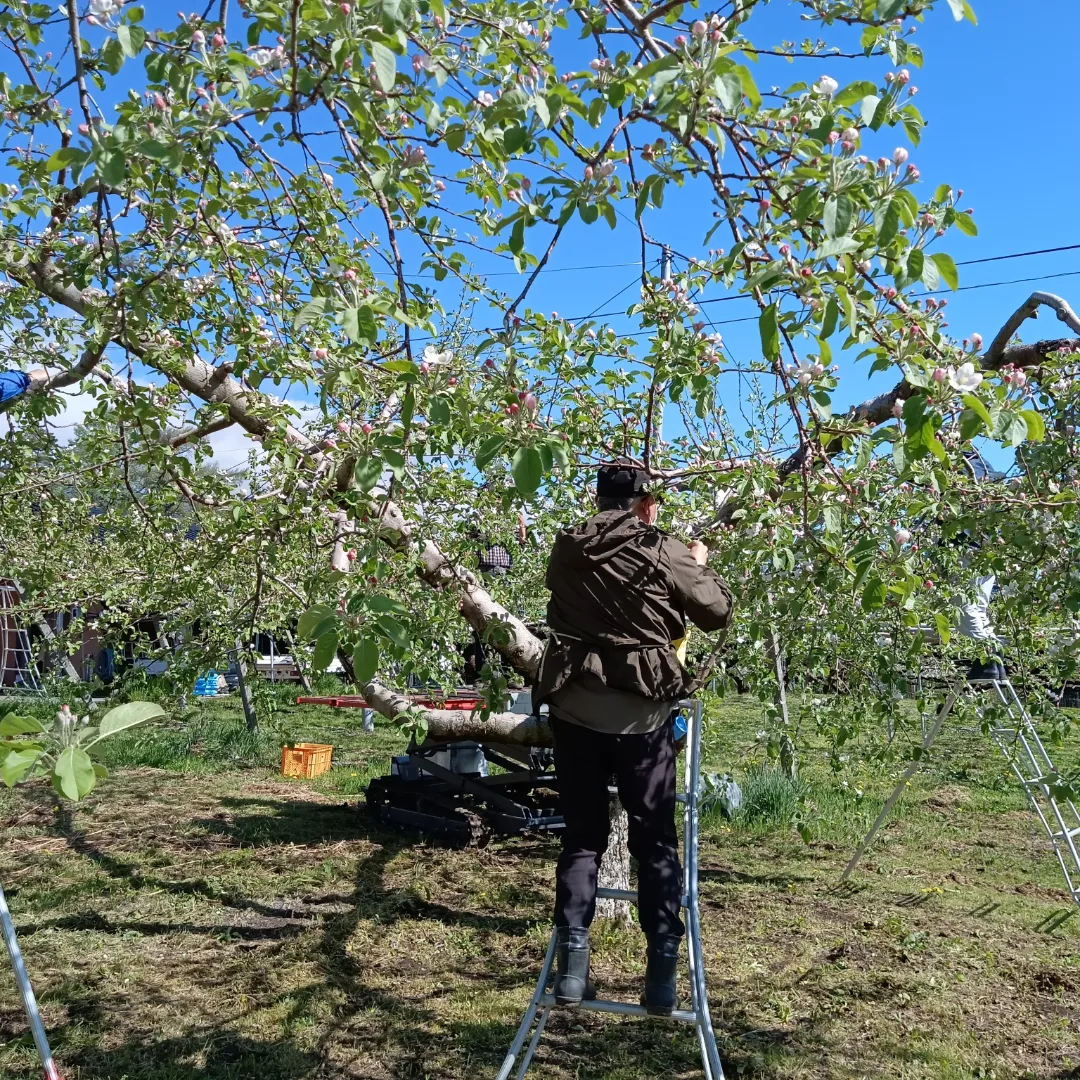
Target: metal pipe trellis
<point>542,1002</point>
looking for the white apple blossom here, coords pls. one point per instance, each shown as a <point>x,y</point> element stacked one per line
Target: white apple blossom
<point>485,100</point>
<point>965,378</point>
<point>432,356</point>
<point>261,57</point>
<point>827,85</point>
<point>105,9</point>
<point>803,372</point>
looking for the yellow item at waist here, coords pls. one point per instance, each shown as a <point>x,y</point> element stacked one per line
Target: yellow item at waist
<point>680,647</point>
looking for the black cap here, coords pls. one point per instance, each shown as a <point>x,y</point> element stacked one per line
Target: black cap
<point>621,481</point>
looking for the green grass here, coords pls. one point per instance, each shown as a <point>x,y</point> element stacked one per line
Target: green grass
<point>204,918</point>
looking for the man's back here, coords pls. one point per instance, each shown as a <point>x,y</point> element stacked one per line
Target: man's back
<point>621,591</point>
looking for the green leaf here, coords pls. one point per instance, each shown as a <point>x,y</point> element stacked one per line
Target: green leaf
<point>729,90</point>
<point>455,137</point>
<point>113,167</point>
<point>559,454</point>
<point>829,320</point>
<point>527,469</point>
<point>126,716</point>
<point>367,472</point>
<point>931,278</point>
<point>838,214</point>
<point>73,774</point>
<point>947,269</point>
<point>832,518</point>
<point>966,224</point>
<point>1036,426</point>
<point>769,328</point>
<point>131,39</point>
<point>869,108</point>
<point>915,262</point>
<point>944,629</point>
<point>439,411</point>
<point>874,594</point>
<point>316,621</point>
<point>971,424</point>
<point>384,604</point>
<point>395,462</point>
<point>16,764</point>
<point>65,156</point>
<point>842,245</point>
<point>889,223</point>
<point>325,651</point>
<point>961,9</point>
<point>1017,431</point>
<point>488,451</point>
<point>393,630</point>
<point>976,405</point>
<point>365,660</point>
<point>385,66</point>
<point>12,725</point>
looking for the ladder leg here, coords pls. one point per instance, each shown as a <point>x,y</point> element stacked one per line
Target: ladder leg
<point>913,767</point>
<point>1034,780</point>
<point>527,1020</point>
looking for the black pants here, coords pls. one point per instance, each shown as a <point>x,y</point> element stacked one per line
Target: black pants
<point>644,770</point>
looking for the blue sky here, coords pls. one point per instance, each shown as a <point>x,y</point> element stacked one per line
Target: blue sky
<point>1001,125</point>
<point>998,98</point>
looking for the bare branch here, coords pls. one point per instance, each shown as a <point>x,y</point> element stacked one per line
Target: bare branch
<point>1029,309</point>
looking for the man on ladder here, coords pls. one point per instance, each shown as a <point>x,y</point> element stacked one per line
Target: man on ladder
<point>621,591</point>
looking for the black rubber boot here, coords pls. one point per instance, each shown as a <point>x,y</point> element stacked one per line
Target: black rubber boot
<point>572,982</point>
<point>660,969</point>
<point>983,670</point>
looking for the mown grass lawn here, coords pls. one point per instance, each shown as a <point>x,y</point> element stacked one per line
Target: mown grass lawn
<point>201,917</point>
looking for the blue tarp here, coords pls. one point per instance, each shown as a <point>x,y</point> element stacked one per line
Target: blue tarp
<point>13,384</point>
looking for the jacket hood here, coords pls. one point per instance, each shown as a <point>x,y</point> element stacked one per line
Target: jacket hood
<point>600,538</point>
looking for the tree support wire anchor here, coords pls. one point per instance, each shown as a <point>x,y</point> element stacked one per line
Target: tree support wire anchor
<point>1031,764</point>
<point>26,991</point>
<point>542,1002</point>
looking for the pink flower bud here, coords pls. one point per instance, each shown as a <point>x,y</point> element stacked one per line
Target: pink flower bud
<point>976,341</point>
<point>904,77</point>
<point>785,250</point>
<point>699,29</point>
<point>939,375</point>
<point>833,137</point>
<point>84,129</point>
<point>345,8</point>
<point>330,444</point>
<point>217,41</point>
<point>350,274</point>
<point>715,35</point>
<point>319,353</point>
<point>1019,378</point>
<point>343,427</point>
<point>818,370</point>
<point>900,155</point>
<point>588,172</point>
<point>898,409</point>
<point>366,429</point>
<point>680,40</point>
<point>351,554</point>
<point>902,537</point>
<point>530,402</point>
<point>425,367</point>
<point>451,381</point>
<point>513,408</point>
<point>764,205</point>
<point>159,102</point>
<point>890,293</point>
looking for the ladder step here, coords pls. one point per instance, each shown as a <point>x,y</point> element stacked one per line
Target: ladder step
<point>622,1008</point>
<point>1069,833</point>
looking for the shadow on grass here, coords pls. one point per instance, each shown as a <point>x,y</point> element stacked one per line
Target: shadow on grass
<point>198,1055</point>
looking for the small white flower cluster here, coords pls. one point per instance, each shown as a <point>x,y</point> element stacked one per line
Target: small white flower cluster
<point>269,59</point>
<point>805,372</point>
<point>105,9</point>
<point>433,356</point>
<point>827,86</point>
<point>680,296</point>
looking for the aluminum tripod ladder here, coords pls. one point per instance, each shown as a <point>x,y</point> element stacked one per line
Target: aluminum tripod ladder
<point>16,651</point>
<point>1030,762</point>
<point>542,1001</point>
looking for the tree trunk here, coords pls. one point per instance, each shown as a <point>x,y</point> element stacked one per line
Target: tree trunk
<point>615,865</point>
<point>245,690</point>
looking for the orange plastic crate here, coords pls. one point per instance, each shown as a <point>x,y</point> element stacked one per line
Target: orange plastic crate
<point>306,759</point>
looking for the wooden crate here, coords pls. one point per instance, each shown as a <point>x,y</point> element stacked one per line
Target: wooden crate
<point>306,760</point>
